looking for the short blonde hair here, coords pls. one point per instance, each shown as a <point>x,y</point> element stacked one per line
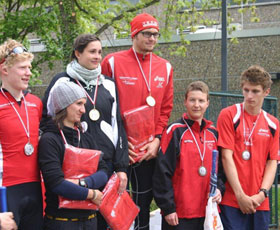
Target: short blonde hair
<point>10,59</point>
<point>197,86</point>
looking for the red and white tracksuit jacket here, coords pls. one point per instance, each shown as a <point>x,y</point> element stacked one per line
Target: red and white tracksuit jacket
<point>132,89</point>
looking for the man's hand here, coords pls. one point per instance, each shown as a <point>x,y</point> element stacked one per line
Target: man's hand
<point>172,219</point>
<point>247,204</point>
<point>123,182</point>
<point>258,198</point>
<point>152,150</point>
<point>218,196</point>
<point>131,153</point>
<point>7,221</point>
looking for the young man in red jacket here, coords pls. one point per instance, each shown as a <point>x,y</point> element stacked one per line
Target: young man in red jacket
<point>183,167</point>
<point>20,114</point>
<point>143,78</point>
<point>249,138</point>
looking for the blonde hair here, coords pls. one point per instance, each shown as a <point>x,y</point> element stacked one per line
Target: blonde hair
<point>11,59</point>
<point>197,86</point>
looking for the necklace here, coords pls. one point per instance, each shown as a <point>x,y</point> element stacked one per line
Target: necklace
<point>93,114</point>
<point>28,147</point>
<point>64,139</point>
<point>202,171</point>
<point>246,155</point>
<point>150,100</point>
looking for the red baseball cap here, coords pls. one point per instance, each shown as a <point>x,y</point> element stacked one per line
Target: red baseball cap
<point>142,22</point>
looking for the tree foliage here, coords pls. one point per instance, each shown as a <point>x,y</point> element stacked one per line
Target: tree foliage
<point>58,22</point>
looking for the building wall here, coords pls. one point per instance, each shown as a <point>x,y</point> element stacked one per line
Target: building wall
<point>203,56</point>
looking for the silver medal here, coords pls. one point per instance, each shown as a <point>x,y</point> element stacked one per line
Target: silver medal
<point>202,171</point>
<point>246,155</point>
<point>151,101</point>
<point>94,114</point>
<point>28,149</point>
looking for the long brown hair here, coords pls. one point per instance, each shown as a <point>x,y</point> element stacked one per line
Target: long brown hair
<point>60,117</point>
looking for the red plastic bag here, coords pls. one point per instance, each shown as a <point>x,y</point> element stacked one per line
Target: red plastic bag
<point>79,163</point>
<point>140,127</point>
<point>118,210</point>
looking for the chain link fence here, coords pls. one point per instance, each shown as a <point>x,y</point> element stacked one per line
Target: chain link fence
<point>219,100</point>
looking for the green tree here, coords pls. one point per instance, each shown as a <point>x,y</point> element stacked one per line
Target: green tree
<point>58,22</point>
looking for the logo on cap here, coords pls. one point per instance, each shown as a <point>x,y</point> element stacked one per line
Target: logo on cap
<point>149,23</point>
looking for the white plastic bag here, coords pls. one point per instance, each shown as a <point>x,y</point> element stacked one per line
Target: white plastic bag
<point>212,217</point>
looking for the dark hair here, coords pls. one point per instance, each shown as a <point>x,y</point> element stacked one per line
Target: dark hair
<point>59,118</point>
<point>256,75</point>
<point>81,43</point>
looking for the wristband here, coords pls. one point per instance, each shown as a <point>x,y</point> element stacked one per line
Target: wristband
<point>94,195</point>
<point>158,136</point>
<point>264,191</point>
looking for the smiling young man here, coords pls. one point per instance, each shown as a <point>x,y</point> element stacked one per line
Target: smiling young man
<point>20,114</point>
<point>249,138</point>
<point>182,174</point>
<point>143,78</point>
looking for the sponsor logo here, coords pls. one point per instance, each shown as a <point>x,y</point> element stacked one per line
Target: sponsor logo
<point>149,23</point>
<point>158,78</point>
<point>264,132</point>
<point>31,104</point>
<point>128,80</point>
<point>211,141</point>
<point>129,83</point>
<point>188,141</point>
<point>160,85</point>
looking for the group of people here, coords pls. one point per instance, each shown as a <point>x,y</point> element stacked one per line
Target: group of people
<point>84,107</point>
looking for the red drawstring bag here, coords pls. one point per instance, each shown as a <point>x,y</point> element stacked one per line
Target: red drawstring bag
<point>118,210</point>
<point>79,163</point>
<point>140,128</point>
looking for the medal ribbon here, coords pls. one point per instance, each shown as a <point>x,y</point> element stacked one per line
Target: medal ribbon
<point>95,92</point>
<point>198,148</point>
<point>143,74</point>
<point>26,128</point>
<point>244,130</point>
<point>64,139</point>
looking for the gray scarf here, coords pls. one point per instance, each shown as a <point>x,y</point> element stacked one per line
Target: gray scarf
<point>80,73</point>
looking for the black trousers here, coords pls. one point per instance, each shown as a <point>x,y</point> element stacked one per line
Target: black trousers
<point>184,224</point>
<point>25,201</point>
<point>140,176</point>
<point>70,225</point>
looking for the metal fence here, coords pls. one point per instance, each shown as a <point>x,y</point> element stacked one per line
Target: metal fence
<point>219,100</point>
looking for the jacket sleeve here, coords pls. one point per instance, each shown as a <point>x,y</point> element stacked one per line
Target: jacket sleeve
<point>164,171</point>
<point>50,156</point>
<point>121,159</point>
<point>167,103</point>
<point>106,68</point>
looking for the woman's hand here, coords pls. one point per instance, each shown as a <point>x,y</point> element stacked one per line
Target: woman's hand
<point>95,196</point>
